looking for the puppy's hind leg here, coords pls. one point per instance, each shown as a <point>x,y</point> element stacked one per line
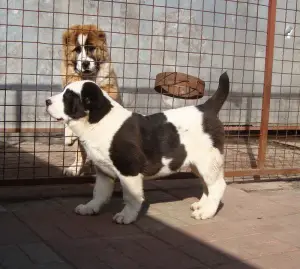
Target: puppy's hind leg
<point>212,171</point>
<point>80,158</point>
<point>102,193</point>
<point>198,204</point>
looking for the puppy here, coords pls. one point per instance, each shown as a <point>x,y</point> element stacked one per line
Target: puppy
<point>86,57</point>
<point>133,147</point>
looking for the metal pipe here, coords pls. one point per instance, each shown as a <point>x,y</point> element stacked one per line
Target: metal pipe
<point>227,128</point>
<point>181,175</point>
<point>267,84</point>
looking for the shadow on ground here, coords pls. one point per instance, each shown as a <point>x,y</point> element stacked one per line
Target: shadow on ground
<point>47,234</point>
<point>18,164</point>
<point>38,229</point>
<point>156,240</point>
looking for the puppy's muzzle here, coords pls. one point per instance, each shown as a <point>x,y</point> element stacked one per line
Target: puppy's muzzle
<point>85,64</point>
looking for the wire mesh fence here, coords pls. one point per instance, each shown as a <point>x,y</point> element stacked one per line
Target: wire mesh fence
<point>145,38</point>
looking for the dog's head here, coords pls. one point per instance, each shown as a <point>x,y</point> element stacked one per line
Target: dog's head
<point>81,99</point>
<point>84,46</point>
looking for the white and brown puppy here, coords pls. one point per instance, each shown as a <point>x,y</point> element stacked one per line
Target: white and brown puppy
<point>86,57</point>
<point>132,147</point>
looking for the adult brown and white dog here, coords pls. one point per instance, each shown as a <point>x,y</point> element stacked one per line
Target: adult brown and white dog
<point>86,57</point>
<point>133,147</point>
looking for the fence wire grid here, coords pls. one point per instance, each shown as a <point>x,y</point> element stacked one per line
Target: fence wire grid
<point>199,38</point>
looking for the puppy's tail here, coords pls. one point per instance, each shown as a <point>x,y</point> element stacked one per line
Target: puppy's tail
<point>216,102</point>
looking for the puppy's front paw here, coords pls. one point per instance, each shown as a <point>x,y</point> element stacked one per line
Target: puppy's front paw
<point>72,171</point>
<point>126,216</point>
<point>197,205</point>
<point>86,210</point>
<point>206,211</point>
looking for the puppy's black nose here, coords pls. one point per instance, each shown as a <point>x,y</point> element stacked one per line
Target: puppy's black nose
<point>48,102</point>
<point>85,64</point>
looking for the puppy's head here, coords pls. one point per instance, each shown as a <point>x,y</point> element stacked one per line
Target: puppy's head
<point>81,99</point>
<point>85,48</point>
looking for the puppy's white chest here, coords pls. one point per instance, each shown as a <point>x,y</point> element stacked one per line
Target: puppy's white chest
<point>100,157</point>
<point>95,154</point>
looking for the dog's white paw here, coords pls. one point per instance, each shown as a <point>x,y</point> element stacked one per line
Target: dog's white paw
<point>126,216</point>
<point>206,211</point>
<point>86,210</point>
<point>197,205</point>
<point>72,171</point>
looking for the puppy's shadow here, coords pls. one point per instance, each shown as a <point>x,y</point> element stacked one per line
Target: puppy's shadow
<point>144,210</point>
<point>172,195</point>
<point>195,190</point>
<point>146,206</point>
<point>164,192</point>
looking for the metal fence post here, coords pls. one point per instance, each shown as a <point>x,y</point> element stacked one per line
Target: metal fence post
<point>263,139</point>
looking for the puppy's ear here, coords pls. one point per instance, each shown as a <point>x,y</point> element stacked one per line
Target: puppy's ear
<point>73,106</point>
<point>95,102</point>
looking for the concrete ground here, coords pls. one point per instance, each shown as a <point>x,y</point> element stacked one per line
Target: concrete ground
<point>256,228</point>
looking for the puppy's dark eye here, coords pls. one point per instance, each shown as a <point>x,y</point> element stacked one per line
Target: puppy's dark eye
<point>90,48</point>
<point>77,49</point>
